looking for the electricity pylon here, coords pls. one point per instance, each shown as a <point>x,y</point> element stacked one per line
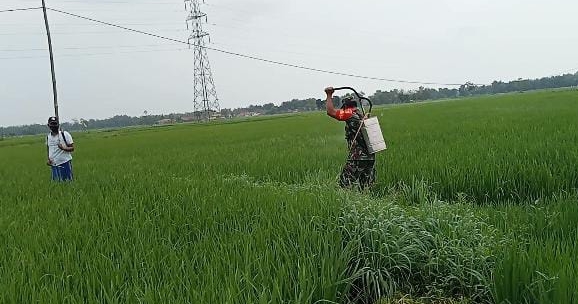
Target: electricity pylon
<point>205,102</point>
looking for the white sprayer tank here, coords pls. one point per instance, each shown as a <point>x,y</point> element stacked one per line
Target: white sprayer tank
<point>372,134</point>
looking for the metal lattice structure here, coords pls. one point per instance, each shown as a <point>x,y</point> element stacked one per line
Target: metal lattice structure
<point>206,102</point>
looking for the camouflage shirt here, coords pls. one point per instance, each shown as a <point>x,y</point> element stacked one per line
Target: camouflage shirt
<point>359,147</point>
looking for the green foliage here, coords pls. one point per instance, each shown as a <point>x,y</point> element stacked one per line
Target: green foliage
<point>512,147</point>
<point>468,208</point>
<point>434,250</point>
<point>539,265</point>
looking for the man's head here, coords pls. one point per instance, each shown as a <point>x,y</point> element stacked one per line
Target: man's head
<point>53,124</point>
<point>348,102</point>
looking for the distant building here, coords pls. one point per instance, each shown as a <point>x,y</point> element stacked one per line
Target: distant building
<point>187,118</point>
<point>215,115</point>
<point>165,121</point>
<point>248,114</point>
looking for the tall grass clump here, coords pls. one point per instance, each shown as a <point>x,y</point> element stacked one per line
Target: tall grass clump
<point>431,251</point>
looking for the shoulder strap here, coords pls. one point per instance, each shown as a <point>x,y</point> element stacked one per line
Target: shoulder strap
<point>64,137</point>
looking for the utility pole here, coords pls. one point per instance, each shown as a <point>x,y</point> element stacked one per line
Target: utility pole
<point>54,93</point>
<point>205,95</point>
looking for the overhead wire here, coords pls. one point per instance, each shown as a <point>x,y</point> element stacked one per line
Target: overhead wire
<point>95,54</point>
<point>206,47</point>
<point>79,32</point>
<point>20,9</point>
<point>86,47</point>
<point>255,57</point>
<point>119,2</point>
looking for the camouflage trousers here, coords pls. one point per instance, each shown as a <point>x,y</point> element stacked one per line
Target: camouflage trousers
<point>360,173</point>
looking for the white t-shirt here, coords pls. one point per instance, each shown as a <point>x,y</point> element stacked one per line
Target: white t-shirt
<point>57,155</point>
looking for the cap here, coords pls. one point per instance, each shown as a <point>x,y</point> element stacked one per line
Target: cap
<point>53,121</point>
<point>348,102</point>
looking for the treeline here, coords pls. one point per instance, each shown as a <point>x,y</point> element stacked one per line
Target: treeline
<point>295,105</point>
<point>118,121</point>
<point>470,89</point>
<point>312,104</point>
<point>423,93</point>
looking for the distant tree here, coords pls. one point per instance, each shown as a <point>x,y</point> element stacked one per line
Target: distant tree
<point>320,104</point>
<point>311,104</point>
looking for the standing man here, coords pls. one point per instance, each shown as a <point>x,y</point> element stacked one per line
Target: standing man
<point>359,170</point>
<point>59,147</point>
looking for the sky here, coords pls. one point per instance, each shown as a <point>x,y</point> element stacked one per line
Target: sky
<point>103,71</point>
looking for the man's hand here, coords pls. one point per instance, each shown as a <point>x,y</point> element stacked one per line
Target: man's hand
<point>63,147</point>
<point>49,162</point>
<point>329,102</point>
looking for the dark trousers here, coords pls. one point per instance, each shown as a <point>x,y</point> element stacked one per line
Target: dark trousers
<point>360,173</point>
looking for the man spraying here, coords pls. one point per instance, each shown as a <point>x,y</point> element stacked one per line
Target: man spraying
<point>59,147</point>
<point>359,170</point>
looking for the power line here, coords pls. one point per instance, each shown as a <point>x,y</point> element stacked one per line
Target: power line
<point>96,54</point>
<point>221,50</point>
<point>119,26</point>
<point>121,2</point>
<point>258,58</point>
<point>88,24</point>
<point>19,9</point>
<point>79,33</point>
<point>87,47</point>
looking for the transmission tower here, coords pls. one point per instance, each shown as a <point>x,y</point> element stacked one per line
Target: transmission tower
<point>205,100</point>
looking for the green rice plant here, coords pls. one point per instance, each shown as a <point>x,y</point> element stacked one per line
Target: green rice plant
<point>539,266</point>
<point>248,212</point>
<point>511,147</point>
<point>419,192</point>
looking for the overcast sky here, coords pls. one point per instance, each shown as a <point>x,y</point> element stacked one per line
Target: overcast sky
<point>102,71</point>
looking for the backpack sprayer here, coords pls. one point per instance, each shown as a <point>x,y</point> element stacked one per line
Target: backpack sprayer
<point>370,129</point>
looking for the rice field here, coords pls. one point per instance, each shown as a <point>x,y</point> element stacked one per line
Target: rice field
<point>476,202</point>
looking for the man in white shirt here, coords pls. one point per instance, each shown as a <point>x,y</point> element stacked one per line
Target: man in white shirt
<point>59,147</point>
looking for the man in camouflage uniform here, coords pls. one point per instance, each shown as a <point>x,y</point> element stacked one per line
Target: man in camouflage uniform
<point>359,170</point>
